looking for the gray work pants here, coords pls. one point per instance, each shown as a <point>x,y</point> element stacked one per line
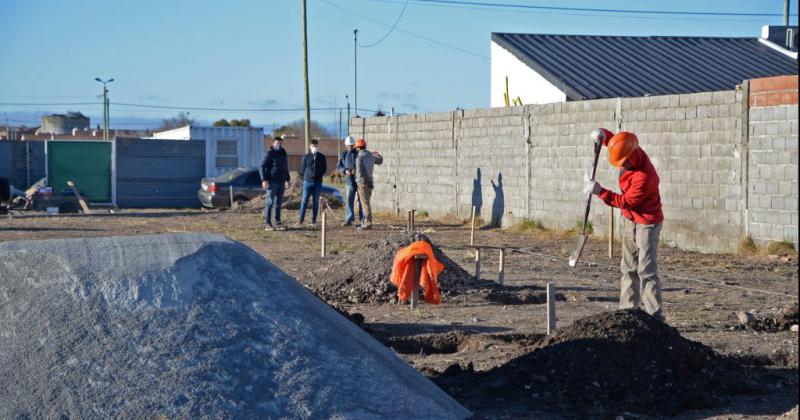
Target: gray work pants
<point>639,266</point>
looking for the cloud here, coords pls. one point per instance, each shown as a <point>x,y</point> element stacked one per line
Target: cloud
<point>397,96</point>
<point>264,103</point>
<point>151,98</point>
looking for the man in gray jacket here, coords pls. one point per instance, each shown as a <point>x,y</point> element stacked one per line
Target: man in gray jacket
<point>365,163</point>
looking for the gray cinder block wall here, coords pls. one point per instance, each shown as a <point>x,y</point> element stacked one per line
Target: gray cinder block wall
<point>447,162</point>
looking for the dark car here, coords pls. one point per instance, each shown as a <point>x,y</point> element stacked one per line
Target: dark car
<point>246,185</point>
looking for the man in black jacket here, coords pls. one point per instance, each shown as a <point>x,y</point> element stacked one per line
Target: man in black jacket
<point>274,177</point>
<point>312,169</point>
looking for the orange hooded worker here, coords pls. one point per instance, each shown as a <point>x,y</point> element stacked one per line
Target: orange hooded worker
<point>640,203</point>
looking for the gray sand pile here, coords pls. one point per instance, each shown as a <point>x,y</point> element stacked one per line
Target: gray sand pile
<point>185,326</point>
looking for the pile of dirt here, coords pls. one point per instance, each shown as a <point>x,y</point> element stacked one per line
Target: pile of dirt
<point>363,277</point>
<point>779,320</point>
<point>185,326</point>
<point>291,198</point>
<point>623,361</point>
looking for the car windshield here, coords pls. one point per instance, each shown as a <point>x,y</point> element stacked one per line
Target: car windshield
<point>230,176</point>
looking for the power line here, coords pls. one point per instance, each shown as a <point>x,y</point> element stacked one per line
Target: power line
<point>175,107</point>
<point>390,29</point>
<point>594,10</point>
<point>422,37</point>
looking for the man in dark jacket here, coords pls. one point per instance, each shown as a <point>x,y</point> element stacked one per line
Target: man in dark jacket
<point>312,169</point>
<point>274,177</point>
<point>640,202</point>
<point>347,167</point>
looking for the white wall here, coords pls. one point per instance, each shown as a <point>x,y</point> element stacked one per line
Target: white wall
<point>522,81</point>
<point>249,143</point>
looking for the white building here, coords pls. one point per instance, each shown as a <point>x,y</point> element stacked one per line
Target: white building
<point>226,147</point>
<point>540,68</point>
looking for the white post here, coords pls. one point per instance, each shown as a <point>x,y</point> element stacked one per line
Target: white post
<point>322,248</point>
<point>477,264</point>
<point>551,308</point>
<point>472,228</point>
<point>501,269</point>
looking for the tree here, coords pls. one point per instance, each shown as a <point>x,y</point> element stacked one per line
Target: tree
<point>244,122</point>
<point>180,120</point>
<point>297,128</point>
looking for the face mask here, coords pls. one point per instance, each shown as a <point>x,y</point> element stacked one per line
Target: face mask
<point>313,150</point>
<point>278,147</point>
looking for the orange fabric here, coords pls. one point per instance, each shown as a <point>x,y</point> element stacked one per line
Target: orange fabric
<point>620,147</point>
<point>403,272</point>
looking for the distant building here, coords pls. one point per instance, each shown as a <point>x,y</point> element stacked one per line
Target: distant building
<point>539,68</point>
<point>63,123</point>
<point>226,147</point>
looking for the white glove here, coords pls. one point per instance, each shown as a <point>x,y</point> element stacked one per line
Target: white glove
<point>590,185</point>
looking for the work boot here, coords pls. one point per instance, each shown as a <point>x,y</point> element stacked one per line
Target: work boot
<point>279,226</point>
<point>269,227</point>
<point>346,224</point>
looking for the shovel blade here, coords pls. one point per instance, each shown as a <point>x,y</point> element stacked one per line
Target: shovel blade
<point>577,248</point>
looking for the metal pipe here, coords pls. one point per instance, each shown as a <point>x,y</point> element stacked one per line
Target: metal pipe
<point>551,308</point>
<point>305,76</point>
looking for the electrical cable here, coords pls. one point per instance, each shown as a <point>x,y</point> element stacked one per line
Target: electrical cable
<point>390,29</point>
<point>422,37</point>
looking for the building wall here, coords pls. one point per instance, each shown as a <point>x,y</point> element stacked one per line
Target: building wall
<point>523,81</point>
<point>63,124</point>
<point>249,145</point>
<point>447,162</point>
<point>773,160</point>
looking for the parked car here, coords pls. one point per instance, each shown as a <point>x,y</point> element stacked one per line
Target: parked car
<point>246,185</point>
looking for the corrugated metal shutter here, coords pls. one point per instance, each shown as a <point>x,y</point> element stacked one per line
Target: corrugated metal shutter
<point>159,173</point>
<point>22,162</point>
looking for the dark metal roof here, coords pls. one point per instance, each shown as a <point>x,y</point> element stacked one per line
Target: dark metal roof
<point>592,67</point>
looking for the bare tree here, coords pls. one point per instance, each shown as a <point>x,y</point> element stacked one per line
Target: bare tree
<point>180,120</point>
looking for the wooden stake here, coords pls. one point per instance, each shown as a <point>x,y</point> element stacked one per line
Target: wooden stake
<point>413,221</point>
<point>501,270</point>
<point>418,261</point>
<point>408,221</point>
<point>477,264</point>
<point>81,201</point>
<point>610,233</point>
<point>231,190</point>
<point>551,308</point>
<point>322,247</point>
<point>472,228</point>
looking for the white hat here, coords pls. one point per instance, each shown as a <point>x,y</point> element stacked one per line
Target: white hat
<point>349,141</point>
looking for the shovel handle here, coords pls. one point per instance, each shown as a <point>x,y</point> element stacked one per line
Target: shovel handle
<point>597,147</point>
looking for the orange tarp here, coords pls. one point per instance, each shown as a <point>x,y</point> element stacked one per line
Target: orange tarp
<point>403,272</point>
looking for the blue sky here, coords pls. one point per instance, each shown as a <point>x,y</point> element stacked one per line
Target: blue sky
<point>248,53</point>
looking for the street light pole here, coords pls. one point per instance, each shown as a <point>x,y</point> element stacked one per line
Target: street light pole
<point>347,98</point>
<point>305,76</point>
<point>355,72</point>
<point>106,119</point>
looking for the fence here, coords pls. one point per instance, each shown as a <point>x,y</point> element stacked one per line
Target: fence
<point>529,161</point>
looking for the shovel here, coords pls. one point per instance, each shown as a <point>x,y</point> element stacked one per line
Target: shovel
<point>580,240</point>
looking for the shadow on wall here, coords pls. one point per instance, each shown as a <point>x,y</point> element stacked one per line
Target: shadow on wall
<point>498,206</point>
<point>477,193</point>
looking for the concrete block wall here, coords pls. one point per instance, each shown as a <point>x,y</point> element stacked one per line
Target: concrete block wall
<point>698,142</point>
<point>695,143</point>
<point>772,210</point>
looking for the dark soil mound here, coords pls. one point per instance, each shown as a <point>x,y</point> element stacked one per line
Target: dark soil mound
<point>291,198</point>
<point>364,276</point>
<point>624,361</point>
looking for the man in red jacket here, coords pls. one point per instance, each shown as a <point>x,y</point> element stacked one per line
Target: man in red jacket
<point>640,203</point>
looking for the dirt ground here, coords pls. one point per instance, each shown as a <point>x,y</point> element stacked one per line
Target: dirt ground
<point>487,328</point>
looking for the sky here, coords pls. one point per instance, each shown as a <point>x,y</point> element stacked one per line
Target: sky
<point>247,54</point>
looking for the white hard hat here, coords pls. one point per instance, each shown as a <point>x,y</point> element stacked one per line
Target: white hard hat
<point>349,141</point>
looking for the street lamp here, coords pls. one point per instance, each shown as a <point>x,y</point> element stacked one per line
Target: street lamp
<point>105,105</point>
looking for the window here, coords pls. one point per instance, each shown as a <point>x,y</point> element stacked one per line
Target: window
<point>253,179</point>
<point>226,154</point>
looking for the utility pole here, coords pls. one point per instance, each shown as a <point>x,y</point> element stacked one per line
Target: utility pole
<point>355,71</point>
<point>8,128</point>
<point>347,98</point>
<point>339,140</point>
<point>786,12</point>
<point>105,105</point>
<point>305,76</point>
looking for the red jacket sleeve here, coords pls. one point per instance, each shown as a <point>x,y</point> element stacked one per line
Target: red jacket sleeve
<point>629,199</point>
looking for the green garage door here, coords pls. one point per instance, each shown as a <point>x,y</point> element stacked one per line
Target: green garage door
<point>87,163</point>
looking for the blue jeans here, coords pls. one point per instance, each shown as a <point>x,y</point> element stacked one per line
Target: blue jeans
<point>310,188</point>
<point>349,214</point>
<point>274,199</point>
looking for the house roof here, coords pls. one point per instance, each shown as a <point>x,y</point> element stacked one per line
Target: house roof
<point>592,67</point>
